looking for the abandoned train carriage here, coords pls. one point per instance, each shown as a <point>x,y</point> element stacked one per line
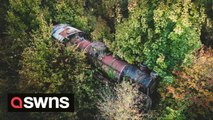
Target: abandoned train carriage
<point>97,50</point>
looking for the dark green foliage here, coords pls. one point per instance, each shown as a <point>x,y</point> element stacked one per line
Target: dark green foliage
<point>3,13</point>
<point>21,22</point>
<point>44,65</point>
<point>162,34</point>
<point>3,42</point>
<point>48,67</point>
<point>71,12</point>
<point>207,30</point>
<point>21,19</point>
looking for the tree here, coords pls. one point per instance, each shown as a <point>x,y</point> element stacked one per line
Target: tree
<point>21,23</point>
<point>163,35</point>
<point>207,30</point>
<point>49,67</point>
<point>21,19</point>
<point>191,95</point>
<point>71,12</point>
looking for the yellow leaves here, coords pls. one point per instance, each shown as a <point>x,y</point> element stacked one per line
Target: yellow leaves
<point>194,85</point>
<point>178,30</point>
<point>159,18</point>
<point>209,23</point>
<point>203,66</point>
<point>173,16</point>
<point>161,58</point>
<point>160,61</point>
<point>195,82</point>
<point>175,93</point>
<point>132,4</point>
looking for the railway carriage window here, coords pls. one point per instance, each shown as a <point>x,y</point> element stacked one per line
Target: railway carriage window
<point>72,36</point>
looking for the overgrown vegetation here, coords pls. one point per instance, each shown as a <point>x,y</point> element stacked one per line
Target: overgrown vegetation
<point>173,38</point>
<point>161,34</point>
<point>122,102</point>
<point>193,87</point>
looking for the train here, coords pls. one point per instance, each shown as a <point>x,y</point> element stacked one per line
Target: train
<point>98,51</point>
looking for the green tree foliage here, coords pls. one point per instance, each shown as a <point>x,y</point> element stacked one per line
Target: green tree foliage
<point>108,13</point>
<point>48,67</point>
<point>110,10</point>
<point>71,12</point>
<point>3,12</point>
<point>21,19</point>
<point>21,23</point>
<point>172,114</point>
<point>161,34</point>
<point>3,46</point>
<point>101,30</point>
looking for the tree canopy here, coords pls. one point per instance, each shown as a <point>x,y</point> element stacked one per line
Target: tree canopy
<point>172,38</point>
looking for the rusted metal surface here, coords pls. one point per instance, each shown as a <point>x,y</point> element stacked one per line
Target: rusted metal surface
<point>62,31</point>
<point>114,63</point>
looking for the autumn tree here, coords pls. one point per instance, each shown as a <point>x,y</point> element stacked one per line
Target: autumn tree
<point>191,95</point>
<point>122,102</point>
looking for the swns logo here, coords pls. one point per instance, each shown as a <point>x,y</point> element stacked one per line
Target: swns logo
<point>40,103</point>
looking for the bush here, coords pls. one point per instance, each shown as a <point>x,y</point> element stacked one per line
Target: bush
<point>123,102</point>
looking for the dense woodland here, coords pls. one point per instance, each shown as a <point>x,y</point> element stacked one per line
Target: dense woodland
<point>174,38</point>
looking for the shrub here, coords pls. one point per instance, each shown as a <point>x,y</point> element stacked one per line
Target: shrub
<point>123,102</point>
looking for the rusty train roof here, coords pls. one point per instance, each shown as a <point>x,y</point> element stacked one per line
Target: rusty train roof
<point>62,31</point>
